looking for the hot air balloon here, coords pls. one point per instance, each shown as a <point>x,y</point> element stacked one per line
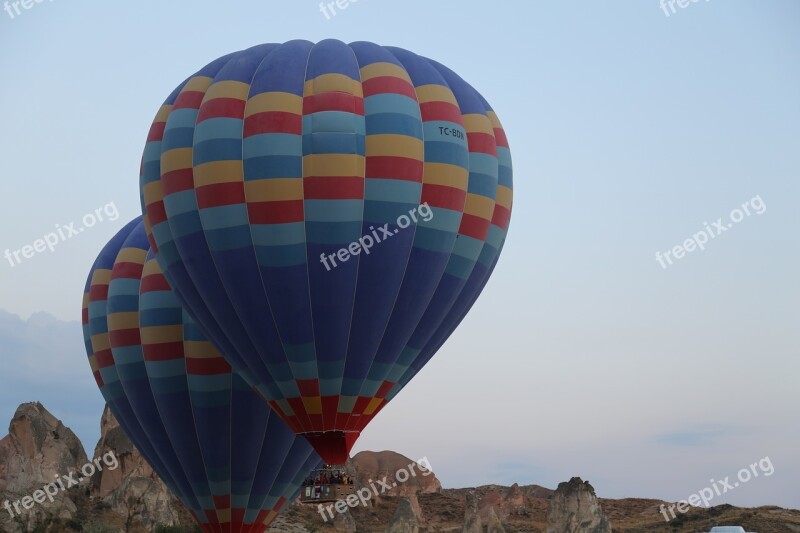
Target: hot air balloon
<point>328,214</point>
<point>214,441</point>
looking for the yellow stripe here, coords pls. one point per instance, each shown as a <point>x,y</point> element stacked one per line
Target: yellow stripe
<point>334,165</point>
<point>333,83</point>
<point>479,206</point>
<point>163,114</point>
<point>161,334</point>
<point>477,123</point>
<point>378,70</point>
<point>373,404</point>
<point>218,172</point>
<point>494,119</point>
<point>101,276</point>
<point>152,193</point>
<point>93,363</point>
<point>176,159</point>
<point>151,268</point>
<point>100,342</point>
<point>395,145</point>
<point>123,320</point>
<point>275,189</point>
<point>200,350</point>
<point>85,300</point>
<point>447,175</point>
<point>227,89</point>
<point>313,405</point>
<point>435,93</point>
<point>504,196</point>
<point>274,101</point>
<point>224,516</point>
<point>131,255</point>
<point>198,83</point>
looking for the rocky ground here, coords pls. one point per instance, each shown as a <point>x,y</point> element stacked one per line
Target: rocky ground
<point>130,498</point>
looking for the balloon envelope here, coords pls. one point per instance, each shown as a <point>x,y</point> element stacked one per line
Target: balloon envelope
<point>327,213</point>
<point>215,442</point>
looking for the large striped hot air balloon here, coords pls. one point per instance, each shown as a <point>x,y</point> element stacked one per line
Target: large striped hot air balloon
<point>214,441</point>
<point>327,213</point>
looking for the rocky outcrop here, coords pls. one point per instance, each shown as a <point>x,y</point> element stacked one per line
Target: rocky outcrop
<point>493,524</point>
<point>132,490</point>
<point>472,515</point>
<point>37,451</point>
<point>404,520</point>
<point>575,509</point>
<point>406,478</point>
<point>344,522</point>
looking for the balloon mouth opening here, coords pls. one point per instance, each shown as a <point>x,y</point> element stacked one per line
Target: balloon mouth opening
<point>333,446</point>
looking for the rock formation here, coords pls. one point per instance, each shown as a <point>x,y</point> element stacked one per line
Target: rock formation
<point>132,490</point>
<point>575,509</point>
<point>493,524</point>
<point>405,520</point>
<point>472,516</point>
<point>37,451</point>
<point>368,467</point>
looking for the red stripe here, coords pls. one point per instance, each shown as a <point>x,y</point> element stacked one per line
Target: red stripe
<point>104,358</point>
<point>273,122</point>
<point>330,405</point>
<point>220,194</point>
<point>165,351</point>
<point>500,137</point>
<point>153,283</point>
<point>444,196</point>
<point>99,379</point>
<point>85,315</point>
<point>124,337</point>
<point>178,180</point>
<point>127,270</point>
<point>333,101</point>
<point>308,387</point>
<point>156,132</point>
<point>385,389</point>
<point>389,84</point>
<point>207,367</point>
<point>475,227</point>
<point>501,217</point>
<point>276,212</point>
<point>482,142</point>
<point>156,213</point>
<point>394,167</point>
<point>222,502</point>
<point>98,293</point>
<point>189,100</point>
<point>446,111</point>
<point>221,108</point>
<point>333,188</point>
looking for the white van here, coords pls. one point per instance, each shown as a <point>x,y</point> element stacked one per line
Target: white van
<point>729,529</point>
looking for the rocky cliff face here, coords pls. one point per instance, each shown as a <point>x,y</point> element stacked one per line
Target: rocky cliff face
<point>575,509</point>
<point>37,451</point>
<point>404,520</point>
<point>132,490</point>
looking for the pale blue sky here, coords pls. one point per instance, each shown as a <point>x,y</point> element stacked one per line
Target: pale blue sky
<point>629,131</point>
